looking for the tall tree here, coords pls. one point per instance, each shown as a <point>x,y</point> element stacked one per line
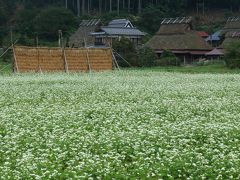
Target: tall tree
<point>78,7</point>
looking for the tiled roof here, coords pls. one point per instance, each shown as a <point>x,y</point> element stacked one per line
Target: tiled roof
<point>214,37</point>
<point>203,34</point>
<point>122,31</point>
<point>120,23</point>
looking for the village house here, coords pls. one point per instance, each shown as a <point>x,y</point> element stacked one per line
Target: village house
<point>117,29</point>
<point>231,31</point>
<point>215,39</point>
<point>82,38</point>
<point>178,36</point>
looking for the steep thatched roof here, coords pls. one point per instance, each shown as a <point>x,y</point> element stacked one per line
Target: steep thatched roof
<point>233,23</point>
<point>82,35</point>
<point>228,41</point>
<point>177,36</point>
<point>231,31</point>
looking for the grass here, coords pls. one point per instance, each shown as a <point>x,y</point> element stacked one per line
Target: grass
<point>122,124</point>
<point>195,69</point>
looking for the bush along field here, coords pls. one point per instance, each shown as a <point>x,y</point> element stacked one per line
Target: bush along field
<point>122,125</point>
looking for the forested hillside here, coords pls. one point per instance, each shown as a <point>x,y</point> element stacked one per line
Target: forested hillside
<point>43,18</point>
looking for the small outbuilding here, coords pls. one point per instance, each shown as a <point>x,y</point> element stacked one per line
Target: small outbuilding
<point>215,54</point>
<point>178,36</point>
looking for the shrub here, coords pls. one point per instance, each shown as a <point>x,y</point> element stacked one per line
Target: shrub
<point>168,59</point>
<point>146,57</point>
<point>126,49</point>
<point>232,56</point>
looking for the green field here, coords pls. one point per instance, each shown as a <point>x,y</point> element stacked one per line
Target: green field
<point>123,125</point>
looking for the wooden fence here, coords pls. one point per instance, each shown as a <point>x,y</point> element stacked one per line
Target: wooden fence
<point>29,59</point>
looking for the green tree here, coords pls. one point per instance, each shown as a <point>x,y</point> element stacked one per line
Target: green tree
<point>232,56</point>
<point>126,49</point>
<point>25,22</point>
<point>146,57</point>
<point>52,19</point>
<point>168,59</point>
<point>151,18</point>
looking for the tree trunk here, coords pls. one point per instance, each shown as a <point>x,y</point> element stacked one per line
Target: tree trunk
<point>118,7</point>
<point>129,6</point>
<point>110,5</point>
<point>88,7</point>
<point>66,4</point>
<point>83,7</point>
<point>139,6</point>
<point>100,6</point>
<point>78,7</point>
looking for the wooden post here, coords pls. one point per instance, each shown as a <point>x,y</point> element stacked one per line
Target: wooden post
<point>115,61</point>
<point>65,61</point>
<point>88,61</point>
<point>15,60</point>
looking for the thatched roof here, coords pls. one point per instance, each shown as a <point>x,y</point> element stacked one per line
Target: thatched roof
<point>177,36</point>
<point>233,23</point>
<point>215,52</point>
<point>231,31</point>
<point>82,35</point>
<point>228,41</point>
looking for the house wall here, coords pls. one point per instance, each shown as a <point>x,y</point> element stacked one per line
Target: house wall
<point>107,41</point>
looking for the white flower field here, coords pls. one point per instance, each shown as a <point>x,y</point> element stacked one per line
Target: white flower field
<point>122,125</point>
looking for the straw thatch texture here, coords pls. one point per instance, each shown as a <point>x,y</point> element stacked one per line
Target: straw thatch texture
<point>166,29</point>
<point>231,32</point>
<point>26,59</point>
<point>187,41</point>
<point>100,60</point>
<point>57,59</point>
<point>51,60</point>
<point>177,36</point>
<point>81,37</point>
<point>77,60</point>
<point>232,25</point>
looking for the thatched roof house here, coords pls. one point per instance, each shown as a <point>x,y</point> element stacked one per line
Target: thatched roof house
<point>82,36</point>
<point>231,31</point>
<point>177,35</point>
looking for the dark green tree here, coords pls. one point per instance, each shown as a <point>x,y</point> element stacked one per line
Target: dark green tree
<point>232,56</point>
<point>52,19</point>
